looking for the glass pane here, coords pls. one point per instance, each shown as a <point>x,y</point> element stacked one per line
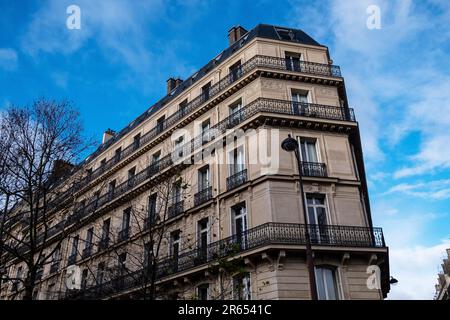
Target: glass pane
<point>330,284</point>
<point>311,216</point>
<point>321,216</point>
<point>311,150</point>
<point>321,293</point>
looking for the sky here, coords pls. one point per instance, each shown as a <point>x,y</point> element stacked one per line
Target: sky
<point>397,78</point>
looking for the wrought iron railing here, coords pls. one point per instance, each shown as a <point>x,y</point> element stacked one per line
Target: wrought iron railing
<point>237,179</point>
<point>175,209</point>
<point>265,234</point>
<point>258,61</point>
<point>313,169</point>
<point>260,105</point>
<point>203,196</point>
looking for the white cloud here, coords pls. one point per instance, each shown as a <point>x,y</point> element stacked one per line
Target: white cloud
<point>8,59</point>
<point>431,190</point>
<point>416,269</point>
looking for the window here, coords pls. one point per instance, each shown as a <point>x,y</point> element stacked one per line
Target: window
<point>176,192</point>
<point>178,146</point>
<point>205,91</point>
<point>84,279</point>
<point>205,131</point>
<point>308,151</point>
<point>285,34</point>
<point>235,114</point>
<point>89,237</point>
<point>292,61</point>
<point>203,178</point>
<point>152,207</point>
<point>175,243</point>
<point>326,279</point>
<point>75,241</point>
<point>242,288</point>
<point>202,291</point>
<point>131,174</point>
<point>236,160</point>
<point>124,233</point>
<point>202,239</point>
<point>105,232</point>
<point>300,100</point>
<point>51,291</point>
<point>316,209</point>
<point>117,154</point>
<point>148,254</point>
<point>122,263</point>
<point>111,188</point>
<point>236,71</point>
<point>160,124</point>
<point>100,272</point>
<point>136,141</point>
<point>239,224</point>
<point>156,156</point>
<point>182,107</point>
<point>103,164</point>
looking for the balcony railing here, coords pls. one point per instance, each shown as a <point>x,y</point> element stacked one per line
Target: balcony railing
<point>266,234</point>
<point>87,252</point>
<point>236,179</point>
<point>124,234</point>
<point>260,105</point>
<point>203,196</point>
<point>313,169</point>
<point>255,62</point>
<point>176,209</point>
<point>72,259</point>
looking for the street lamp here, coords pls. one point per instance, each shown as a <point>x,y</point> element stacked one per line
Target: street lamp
<point>290,144</point>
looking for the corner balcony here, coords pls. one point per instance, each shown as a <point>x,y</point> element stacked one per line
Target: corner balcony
<point>286,234</point>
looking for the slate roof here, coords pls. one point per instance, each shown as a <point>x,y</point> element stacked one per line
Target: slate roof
<point>260,31</point>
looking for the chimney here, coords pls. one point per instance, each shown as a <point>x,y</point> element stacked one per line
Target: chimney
<point>172,83</point>
<point>235,34</point>
<point>108,134</point>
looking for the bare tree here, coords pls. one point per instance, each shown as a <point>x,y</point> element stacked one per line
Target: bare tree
<point>39,143</point>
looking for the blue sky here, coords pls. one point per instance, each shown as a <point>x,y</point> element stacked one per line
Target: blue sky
<point>397,79</point>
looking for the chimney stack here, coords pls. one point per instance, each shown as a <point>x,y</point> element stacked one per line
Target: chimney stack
<point>235,34</point>
<point>172,83</point>
<point>108,134</point>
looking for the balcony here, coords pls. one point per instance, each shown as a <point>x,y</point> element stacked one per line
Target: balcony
<point>54,267</point>
<point>124,234</point>
<point>103,244</point>
<point>263,235</point>
<point>176,209</point>
<point>72,259</point>
<point>87,252</point>
<point>313,169</point>
<point>258,106</point>
<point>236,179</point>
<point>203,196</point>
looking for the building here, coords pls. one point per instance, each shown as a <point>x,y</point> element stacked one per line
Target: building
<point>443,285</point>
<point>196,197</point>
